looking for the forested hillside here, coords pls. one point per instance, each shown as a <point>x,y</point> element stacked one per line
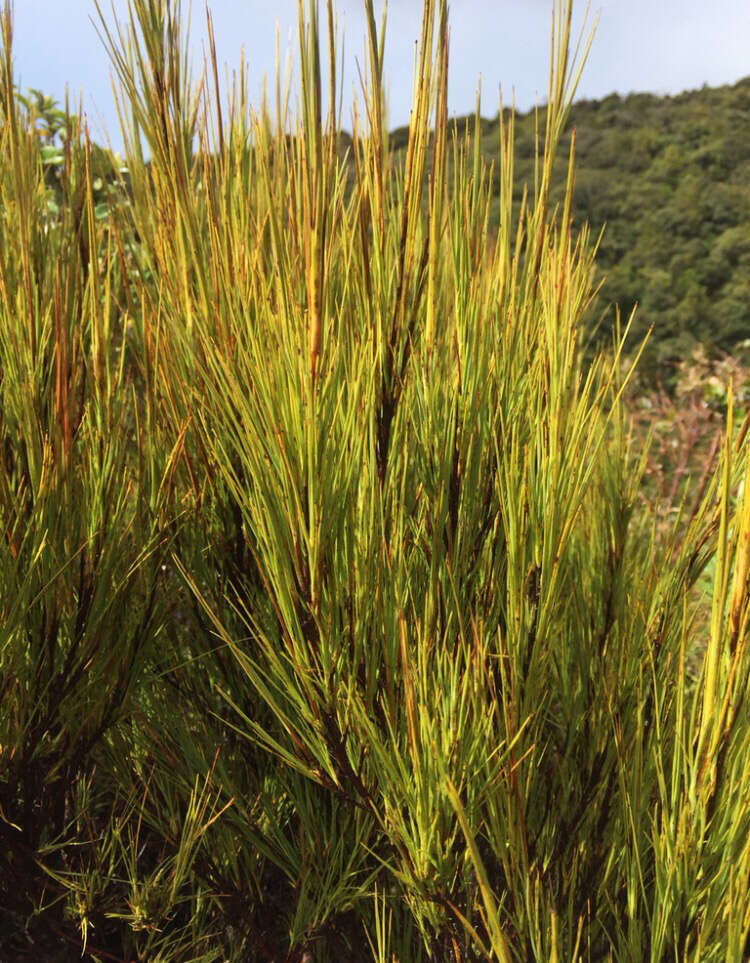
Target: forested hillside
<point>669,180</point>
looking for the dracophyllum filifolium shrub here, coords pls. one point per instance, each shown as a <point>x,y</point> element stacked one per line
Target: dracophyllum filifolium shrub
<point>422,594</point>
<point>84,532</point>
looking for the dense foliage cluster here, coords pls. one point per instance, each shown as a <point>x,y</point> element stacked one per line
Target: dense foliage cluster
<point>334,622</point>
<point>670,178</point>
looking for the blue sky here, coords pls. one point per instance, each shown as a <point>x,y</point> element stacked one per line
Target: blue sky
<point>663,46</point>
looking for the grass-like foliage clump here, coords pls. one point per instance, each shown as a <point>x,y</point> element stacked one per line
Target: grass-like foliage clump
<point>333,624</point>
